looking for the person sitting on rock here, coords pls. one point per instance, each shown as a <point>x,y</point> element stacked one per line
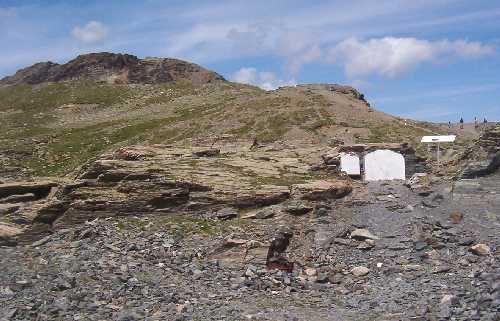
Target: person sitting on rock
<point>255,144</point>
<point>278,247</point>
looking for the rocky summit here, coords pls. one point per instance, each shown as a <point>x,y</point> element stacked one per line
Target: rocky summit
<point>114,68</point>
<point>155,190</point>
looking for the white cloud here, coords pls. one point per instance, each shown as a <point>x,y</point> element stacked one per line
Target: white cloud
<point>296,48</point>
<point>238,29</point>
<point>92,32</point>
<point>391,56</point>
<point>264,79</point>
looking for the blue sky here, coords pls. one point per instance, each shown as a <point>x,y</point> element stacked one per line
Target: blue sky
<point>432,60</point>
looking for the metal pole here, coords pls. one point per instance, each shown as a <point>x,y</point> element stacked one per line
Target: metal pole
<point>438,154</point>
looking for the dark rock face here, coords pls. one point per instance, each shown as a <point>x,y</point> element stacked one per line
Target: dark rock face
<point>484,157</point>
<point>482,168</point>
<point>115,68</point>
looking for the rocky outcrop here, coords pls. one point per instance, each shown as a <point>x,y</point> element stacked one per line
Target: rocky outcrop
<point>114,68</point>
<point>200,181</point>
<point>335,88</point>
<point>10,192</point>
<point>483,157</point>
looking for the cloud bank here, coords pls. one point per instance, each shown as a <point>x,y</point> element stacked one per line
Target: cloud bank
<point>391,57</point>
<point>92,32</point>
<point>263,79</point>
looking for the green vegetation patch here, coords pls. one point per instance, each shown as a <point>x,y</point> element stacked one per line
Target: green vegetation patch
<point>48,96</point>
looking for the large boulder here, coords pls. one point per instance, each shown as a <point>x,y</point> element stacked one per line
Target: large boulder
<point>322,189</point>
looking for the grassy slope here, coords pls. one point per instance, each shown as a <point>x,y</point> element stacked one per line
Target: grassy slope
<point>51,129</point>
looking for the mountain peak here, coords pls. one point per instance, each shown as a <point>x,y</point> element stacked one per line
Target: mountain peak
<point>113,68</point>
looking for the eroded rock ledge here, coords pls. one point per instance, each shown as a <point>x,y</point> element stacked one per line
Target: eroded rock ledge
<point>201,181</point>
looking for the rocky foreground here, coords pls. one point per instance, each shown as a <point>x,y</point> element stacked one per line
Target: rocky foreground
<point>164,232</point>
<point>384,252</point>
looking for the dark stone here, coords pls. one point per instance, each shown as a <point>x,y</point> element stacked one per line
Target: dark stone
<point>298,208</point>
<point>207,153</point>
<point>226,213</point>
<point>28,197</point>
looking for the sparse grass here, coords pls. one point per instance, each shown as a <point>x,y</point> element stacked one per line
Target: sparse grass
<point>282,180</point>
<point>180,225</point>
<point>394,132</point>
<point>34,135</point>
<point>185,225</point>
<point>35,99</point>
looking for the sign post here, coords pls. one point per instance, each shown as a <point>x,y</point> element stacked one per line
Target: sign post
<point>438,140</point>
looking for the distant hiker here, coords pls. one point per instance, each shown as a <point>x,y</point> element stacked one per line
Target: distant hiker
<point>255,144</point>
<point>476,123</point>
<point>405,122</point>
<point>449,124</point>
<point>461,123</point>
<point>485,121</point>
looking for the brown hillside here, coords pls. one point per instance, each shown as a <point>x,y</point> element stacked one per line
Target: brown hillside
<point>58,117</point>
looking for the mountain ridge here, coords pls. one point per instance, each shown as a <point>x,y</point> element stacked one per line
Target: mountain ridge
<point>57,117</point>
<point>113,68</point>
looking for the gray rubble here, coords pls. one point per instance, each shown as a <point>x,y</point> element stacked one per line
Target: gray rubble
<point>171,267</point>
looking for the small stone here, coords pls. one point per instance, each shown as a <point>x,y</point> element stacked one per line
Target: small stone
<point>441,269</point>
<point>249,273</point>
<point>298,208</point>
<point>456,217</point>
<point>321,212</point>
<point>360,271</point>
<point>28,197</point>
<point>449,299</point>
<point>420,245</point>
<point>480,249</point>
<point>362,234</point>
<point>367,244</point>
<point>411,267</point>
<point>266,212</point>
<point>466,241</point>
<point>310,271</point>
<point>227,213</point>
<point>322,278</point>
<point>197,272</point>
<point>23,283</point>
<point>341,241</point>
<point>6,291</point>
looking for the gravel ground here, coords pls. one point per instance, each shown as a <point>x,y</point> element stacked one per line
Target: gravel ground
<point>385,253</point>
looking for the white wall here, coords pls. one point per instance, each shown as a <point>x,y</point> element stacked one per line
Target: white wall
<point>349,163</point>
<point>384,165</point>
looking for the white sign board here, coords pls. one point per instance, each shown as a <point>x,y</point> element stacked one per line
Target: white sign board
<point>349,163</point>
<point>438,139</point>
<point>384,164</point>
